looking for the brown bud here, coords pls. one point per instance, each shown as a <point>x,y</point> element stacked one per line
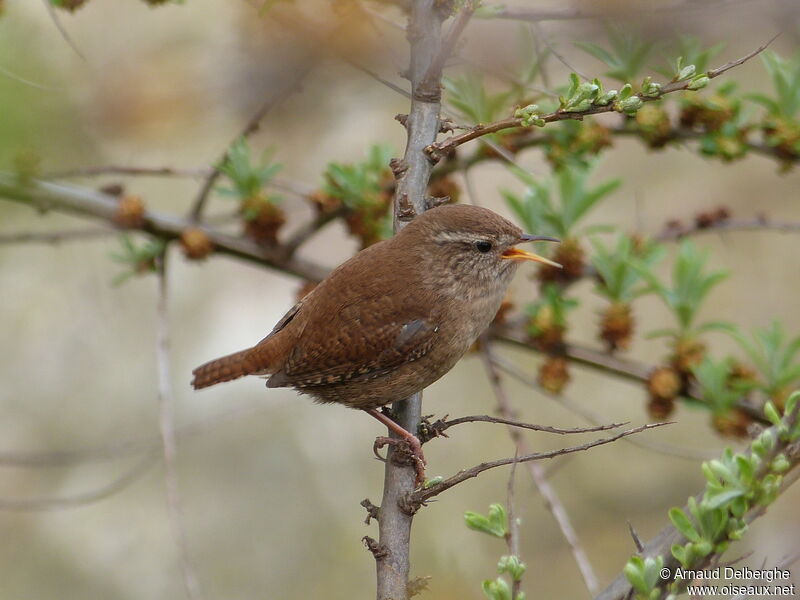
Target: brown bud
<point>664,383</point>
<point>571,256</point>
<point>554,374</point>
<point>130,212</point>
<point>660,408</point>
<point>616,326</point>
<point>688,353</point>
<point>262,219</point>
<point>734,423</point>
<point>196,243</point>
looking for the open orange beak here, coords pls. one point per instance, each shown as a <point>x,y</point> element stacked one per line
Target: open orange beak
<point>517,254</point>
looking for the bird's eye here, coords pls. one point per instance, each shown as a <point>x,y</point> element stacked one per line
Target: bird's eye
<point>483,246</point>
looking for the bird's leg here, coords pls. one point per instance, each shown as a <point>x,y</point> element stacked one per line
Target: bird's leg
<point>408,439</point>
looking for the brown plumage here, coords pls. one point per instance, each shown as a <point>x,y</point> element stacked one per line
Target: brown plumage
<point>394,318</point>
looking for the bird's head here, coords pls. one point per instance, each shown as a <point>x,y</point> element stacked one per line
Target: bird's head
<point>470,244</point>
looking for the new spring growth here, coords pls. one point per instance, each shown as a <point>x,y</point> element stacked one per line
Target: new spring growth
<point>650,88</point>
<point>699,82</point>
<point>682,72</point>
<point>512,565</point>
<point>644,575</point>
<point>495,523</point>
<point>627,102</point>
<point>529,116</point>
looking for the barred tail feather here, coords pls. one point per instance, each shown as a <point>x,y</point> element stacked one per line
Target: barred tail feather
<point>226,368</point>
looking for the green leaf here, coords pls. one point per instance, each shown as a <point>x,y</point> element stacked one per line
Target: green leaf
<point>497,589</point>
<point>683,524</point>
<point>496,523</point>
<point>511,565</point>
<point>635,574</point>
<point>723,499</point>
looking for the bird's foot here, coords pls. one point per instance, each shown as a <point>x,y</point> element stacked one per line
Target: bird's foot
<point>407,451</point>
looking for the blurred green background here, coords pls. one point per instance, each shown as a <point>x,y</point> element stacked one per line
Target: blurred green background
<point>271,484</point>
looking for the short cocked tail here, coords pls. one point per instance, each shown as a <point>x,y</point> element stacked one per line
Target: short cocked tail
<point>226,368</point>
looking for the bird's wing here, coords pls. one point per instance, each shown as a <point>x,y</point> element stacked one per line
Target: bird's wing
<point>369,336</point>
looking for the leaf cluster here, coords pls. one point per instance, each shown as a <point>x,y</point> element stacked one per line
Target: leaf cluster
<point>691,284</point>
<point>248,177</point>
<point>539,211</point>
<point>774,355</point>
<point>360,183</point>
<point>138,258</point>
<point>618,280</point>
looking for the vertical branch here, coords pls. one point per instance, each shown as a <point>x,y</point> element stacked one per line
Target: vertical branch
<point>167,429</point>
<point>536,471</point>
<point>413,173</point>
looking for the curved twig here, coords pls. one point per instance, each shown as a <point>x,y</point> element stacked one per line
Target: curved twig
<point>43,504</point>
<point>421,496</point>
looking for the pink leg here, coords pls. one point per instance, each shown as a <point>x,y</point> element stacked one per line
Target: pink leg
<point>412,442</point>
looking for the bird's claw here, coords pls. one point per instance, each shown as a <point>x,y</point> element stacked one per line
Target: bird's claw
<point>408,450</point>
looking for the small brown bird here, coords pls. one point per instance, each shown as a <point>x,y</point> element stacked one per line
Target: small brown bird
<point>391,320</point>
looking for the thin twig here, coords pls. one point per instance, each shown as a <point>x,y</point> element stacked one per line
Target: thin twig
<point>536,471</point>
<point>166,426</point>
<point>442,425</point>
<point>57,22</point>
<point>728,225</point>
<point>421,496</point>
<point>438,150</point>
<point>512,537</point>
<point>125,170</point>
<point>538,15</point>
<point>46,504</point>
<point>592,417</point>
<point>14,77</point>
<point>310,229</point>
<point>449,41</point>
<point>299,72</point>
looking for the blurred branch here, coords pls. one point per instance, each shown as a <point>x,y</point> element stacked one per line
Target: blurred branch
<point>63,32</point>
<point>438,150</point>
<point>419,497</point>
<point>536,471</point>
<point>122,170</point>
<point>45,196</point>
<point>54,237</point>
<point>512,537</point>
<point>604,362</point>
<point>433,75</point>
<point>65,458</point>
<point>310,229</point>
<point>757,224</point>
<point>166,423</point>
<point>627,10</point>
<point>43,504</point>
<point>298,71</point>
